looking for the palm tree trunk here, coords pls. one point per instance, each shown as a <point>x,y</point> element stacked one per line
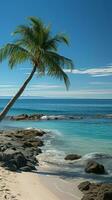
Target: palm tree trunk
<point>18,94</point>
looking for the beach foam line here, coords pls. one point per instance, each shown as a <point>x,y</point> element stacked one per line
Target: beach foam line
<point>53,157</point>
<point>59,117</point>
<point>96,155</point>
<point>75,117</point>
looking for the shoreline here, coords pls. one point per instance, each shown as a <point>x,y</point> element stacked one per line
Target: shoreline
<point>30,186</point>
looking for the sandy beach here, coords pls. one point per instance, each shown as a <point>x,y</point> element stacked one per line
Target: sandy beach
<point>31,186</point>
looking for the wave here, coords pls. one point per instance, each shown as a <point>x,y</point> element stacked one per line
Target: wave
<point>77,117</point>
<point>60,117</point>
<point>56,132</point>
<point>55,158</point>
<point>51,157</point>
<point>96,155</point>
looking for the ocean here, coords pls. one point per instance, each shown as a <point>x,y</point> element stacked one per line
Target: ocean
<point>88,134</point>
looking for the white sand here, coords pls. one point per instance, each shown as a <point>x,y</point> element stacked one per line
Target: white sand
<point>31,186</point>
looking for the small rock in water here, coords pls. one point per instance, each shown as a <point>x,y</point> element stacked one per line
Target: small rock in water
<point>94,167</point>
<point>72,157</point>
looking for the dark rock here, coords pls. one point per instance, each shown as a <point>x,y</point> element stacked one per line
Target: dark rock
<point>25,117</point>
<point>29,133</point>
<point>38,151</point>
<point>27,144</point>
<point>19,136</point>
<point>19,117</point>
<point>9,154</point>
<point>38,143</point>
<point>1,156</point>
<point>18,148</point>
<point>33,161</point>
<point>20,160</point>
<point>107,195</point>
<point>29,152</point>
<point>101,191</point>
<point>94,167</point>
<point>14,148</point>
<point>13,159</point>
<point>84,186</point>
<point>11,164</point>
<point>34,143</point>
<point>72,157</point>
<point>31,166</point>
<point>4,146</point>
<point>26,169</point>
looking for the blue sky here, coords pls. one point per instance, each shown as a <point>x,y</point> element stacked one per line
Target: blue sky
<point>88,24</point>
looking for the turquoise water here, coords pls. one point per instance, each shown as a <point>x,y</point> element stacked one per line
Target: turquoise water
<point>90,137</point>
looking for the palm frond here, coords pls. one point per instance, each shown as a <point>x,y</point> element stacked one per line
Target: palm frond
<point>38,28</point>
<point>25,32</point>
<point>28,38</point>
<point>14,53</point>
<point>62,38</point>
<point>57,72</point>
<point>53,42</point>
<point>54,68</point>
<point>50,45</point>
<point>36,23</point>
<point>59,59</point>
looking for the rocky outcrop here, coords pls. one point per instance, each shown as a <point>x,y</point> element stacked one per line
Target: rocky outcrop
<point>72,157</point>
<point>92,191</point>
<point>13,160</point>
<point>25,117</point>
<point>27,133</point>
<point>18,149</point>
<point>94,167</point>
<point>37,116</point>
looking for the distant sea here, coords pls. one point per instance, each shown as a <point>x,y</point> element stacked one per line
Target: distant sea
<point>90,136</point>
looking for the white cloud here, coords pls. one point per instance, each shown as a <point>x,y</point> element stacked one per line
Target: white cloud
<point>94,72</point>
<point>35,86</point>
<point>28,73</point>
<point>25,68</point>
<point>5,86</point>
<point>92,93</point>
<point>46,86</point>
<point>35,89</point>
<point>57,91</point>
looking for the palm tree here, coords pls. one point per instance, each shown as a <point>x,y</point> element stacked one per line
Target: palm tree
<point>35,43</point>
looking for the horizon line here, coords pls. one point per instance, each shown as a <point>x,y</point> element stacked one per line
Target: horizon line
<point>34,97</point>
